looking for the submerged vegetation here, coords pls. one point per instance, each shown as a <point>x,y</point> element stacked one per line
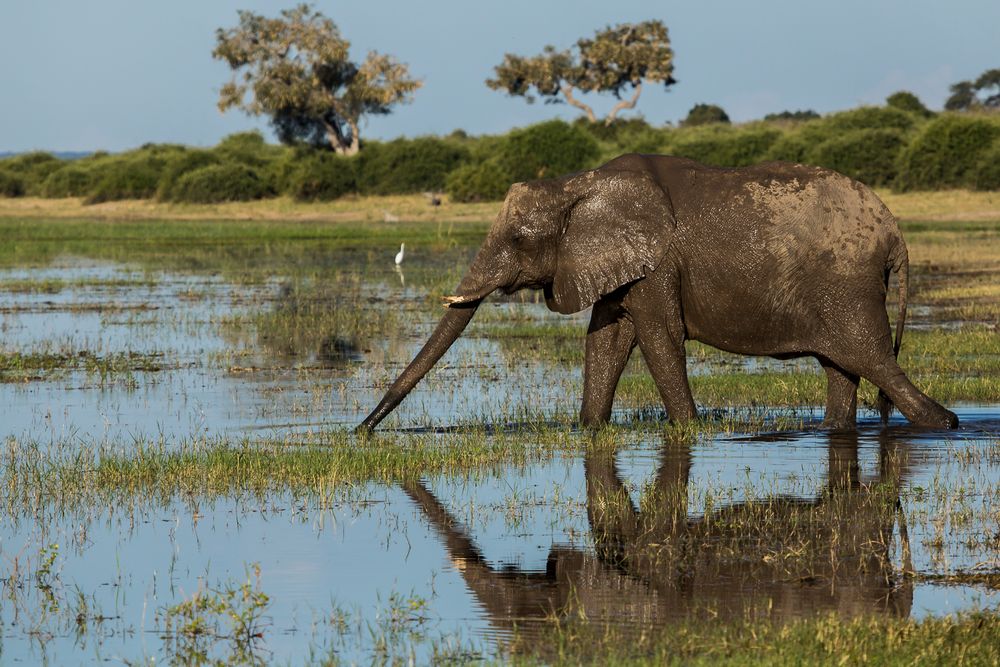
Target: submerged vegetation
<point>166,375</point>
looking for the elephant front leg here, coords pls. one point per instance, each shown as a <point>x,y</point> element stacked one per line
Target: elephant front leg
<point>610,340</point>
<point>659,329</point>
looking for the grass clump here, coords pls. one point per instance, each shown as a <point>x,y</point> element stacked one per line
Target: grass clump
<point>27,366</point>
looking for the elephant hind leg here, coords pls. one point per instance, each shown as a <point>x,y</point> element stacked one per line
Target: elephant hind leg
<point>841,397</point>
<point>610,340</point>
<point>915,405</point>
<point>886,374</point>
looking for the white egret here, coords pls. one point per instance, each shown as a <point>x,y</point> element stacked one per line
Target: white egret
<point>399,255</point>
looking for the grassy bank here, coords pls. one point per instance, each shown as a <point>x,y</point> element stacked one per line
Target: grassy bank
<point>947,205</point>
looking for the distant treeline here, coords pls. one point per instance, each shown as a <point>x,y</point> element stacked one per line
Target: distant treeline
<point>882,146</point>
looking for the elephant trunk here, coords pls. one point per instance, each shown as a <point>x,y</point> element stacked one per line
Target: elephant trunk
<point>461,308</point>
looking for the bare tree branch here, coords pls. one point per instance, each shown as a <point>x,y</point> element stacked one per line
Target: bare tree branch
<point>568,92</point>
<point>624,104</point>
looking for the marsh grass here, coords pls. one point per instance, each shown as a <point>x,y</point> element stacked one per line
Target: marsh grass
<point>346,209</point>
<point>969,639</point>
<point>57,285</point>
<point>951,364</point>
<point>944,206</point>
<point>317,292</point>
<point>321,318</point>
<point>242,251</point>
<point>23,367</point>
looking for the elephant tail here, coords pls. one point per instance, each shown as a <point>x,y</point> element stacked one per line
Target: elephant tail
<point>899,262</point>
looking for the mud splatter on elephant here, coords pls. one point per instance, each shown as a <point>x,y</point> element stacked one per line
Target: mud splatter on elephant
<point>777,259</point>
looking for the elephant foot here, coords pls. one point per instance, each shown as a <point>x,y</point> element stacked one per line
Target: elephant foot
<point>589,422</point>
<point>838,424</point>
<point>938,417</point>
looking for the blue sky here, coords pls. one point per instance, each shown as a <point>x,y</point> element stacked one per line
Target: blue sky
<point>113,74</point>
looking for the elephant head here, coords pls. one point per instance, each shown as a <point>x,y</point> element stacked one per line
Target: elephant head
<point>577,238</point>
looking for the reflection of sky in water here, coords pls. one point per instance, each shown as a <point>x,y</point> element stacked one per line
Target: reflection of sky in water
<point>360,550</point>
<point>178,317</point>
<point>356,554</point>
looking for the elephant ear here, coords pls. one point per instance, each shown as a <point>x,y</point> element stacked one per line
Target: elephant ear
<point>618,229</point>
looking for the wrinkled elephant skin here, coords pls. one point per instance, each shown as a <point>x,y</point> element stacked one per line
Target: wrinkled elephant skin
<point>777,259</point>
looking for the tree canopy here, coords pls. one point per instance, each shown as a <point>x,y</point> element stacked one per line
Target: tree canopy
<point>616,60</point>
<point>703,114</point>
<point>983,93</point>
<point>297,69</point>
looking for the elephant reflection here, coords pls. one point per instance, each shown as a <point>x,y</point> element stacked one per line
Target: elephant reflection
<point>779,558</point>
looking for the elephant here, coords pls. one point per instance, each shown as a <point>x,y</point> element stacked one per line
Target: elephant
<point>778,259</point>
<point>779,557</point>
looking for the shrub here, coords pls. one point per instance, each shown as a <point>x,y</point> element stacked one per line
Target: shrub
<point>869,156</point>
<point>789,147</point>
<point>220,183</point>
<point>486,181</point>
<point>794,116</point>
<point>988,168</point>
<point>867,118</point>
<point>179,165</point>
<point>907,101</point>
<point>724,146</point>
<point>32,169</point>
<point>705,114</point>
<point>650,141</point>
<point>122,178</point>
<point>11,184</point>
<point>318,175</point>
<point>71,180</point>
<point>408,165</point>
<point>946,153</point>
<point>248,148</point>
<point>620,129</point>
<point>546,150</point>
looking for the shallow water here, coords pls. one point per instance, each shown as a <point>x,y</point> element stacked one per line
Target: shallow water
<point>735,526</point>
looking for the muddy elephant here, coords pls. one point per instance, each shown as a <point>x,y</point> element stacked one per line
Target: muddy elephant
<point>778,259</point>
<point>779,558</point>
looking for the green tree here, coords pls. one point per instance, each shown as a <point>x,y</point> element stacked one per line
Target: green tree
<point>296,69</point>
<point>616,60</point>
<point>989,83</point>
<point>703,114</point>
<point>962,98</point>
<point>983,93</point>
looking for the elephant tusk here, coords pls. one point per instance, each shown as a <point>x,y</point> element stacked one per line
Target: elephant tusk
<point>451,300</point>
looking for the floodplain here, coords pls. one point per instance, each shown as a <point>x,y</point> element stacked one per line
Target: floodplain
<point>181,481</point>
